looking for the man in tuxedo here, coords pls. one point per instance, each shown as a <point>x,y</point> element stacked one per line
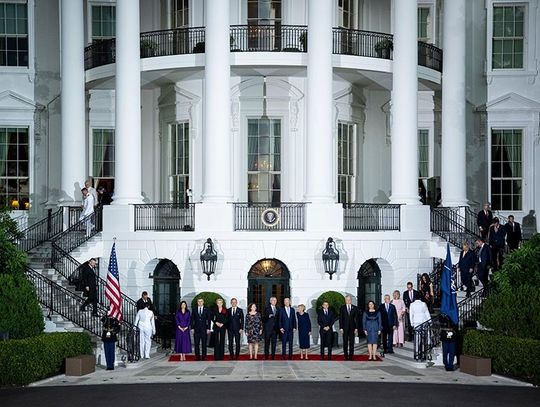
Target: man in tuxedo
<point>287,326</point>
<point>271,326</point>
<point>325,319</point>
<point>141,302</point>
<point>349,319</point>
<point>235,328</point>
<point>513,233</point>
<point>89,284</point>
<point>484,220</point>
<point>200,326</point>
<point>389,321</point>
<point>409,296</point>
<point>484,261</point>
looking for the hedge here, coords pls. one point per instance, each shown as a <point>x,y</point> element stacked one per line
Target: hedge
<point>511,356</point>
<point>27,360</point>
<point>209,298</point>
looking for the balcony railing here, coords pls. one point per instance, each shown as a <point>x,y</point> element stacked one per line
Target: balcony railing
<point>165,217</point>
<point>260,38</point>
<point>41,231</point>
<point>284,216</point>
<point>371,217</point>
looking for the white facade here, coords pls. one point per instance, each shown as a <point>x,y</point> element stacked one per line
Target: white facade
<point>313,95</point>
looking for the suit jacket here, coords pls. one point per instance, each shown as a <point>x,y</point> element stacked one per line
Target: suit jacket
<point>221,317</point>
<point>325,320</point>
<point>349,321</point>
<point>200,323</point>
<point>406,298</point>
<point>287,323</point>
<point>88,277</point>
<point>270,319</point>
<point>496,238</point>
<point>483,220</point>
<point>140,304</point>
<point>236,321</point>
<point>484,259</point>
<point>466,262</point>
<point>389,319</point>
<point>513,234</point>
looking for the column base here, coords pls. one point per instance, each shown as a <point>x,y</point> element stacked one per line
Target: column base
<point>405,200</point>
<point>127,200</point>
<point>324,217</point>
<point>118,218</point>
<point>214,216</point>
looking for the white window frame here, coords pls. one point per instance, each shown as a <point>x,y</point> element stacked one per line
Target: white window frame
<point>352,145</point>
<point>89,6</point>
<point>430,26</point>
<point>173,177</point>
<point>172,14</point>
<point>24,70</point>
<point>353,15</point>
<point>91,160</point>
<point>428,150</point>
<point>30,166</point>
<point>523,37</point>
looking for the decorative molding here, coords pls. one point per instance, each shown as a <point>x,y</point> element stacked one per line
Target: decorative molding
<point>387,110</point>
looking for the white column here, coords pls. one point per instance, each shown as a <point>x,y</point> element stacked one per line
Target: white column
<point>453,154</point>
<point>127,166</point>
<point>319,136</point>
<point>217,174</point>
<point>72,101</point>
<point>405,105</point>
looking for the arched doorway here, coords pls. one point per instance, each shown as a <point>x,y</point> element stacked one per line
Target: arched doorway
<point>166,297</point>
<point>369,284</point>
<point>268,278</point>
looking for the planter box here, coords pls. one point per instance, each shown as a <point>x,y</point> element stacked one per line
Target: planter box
<point>80,365</point>
<point>475,365</point>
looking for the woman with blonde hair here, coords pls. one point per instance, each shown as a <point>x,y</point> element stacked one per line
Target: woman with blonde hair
<point>399,333</point>
<point>304,330</point>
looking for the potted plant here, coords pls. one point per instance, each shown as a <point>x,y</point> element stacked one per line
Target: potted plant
<point>303,41</point>
<point>148,48</point>
<point>199,48</point>
<point>383,48</point>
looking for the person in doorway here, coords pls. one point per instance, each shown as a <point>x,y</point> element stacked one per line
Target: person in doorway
<point>145,322</point>
<point>389,319</point>
<point>372,323</point>
<point>326,319</point>
<point>235,328</point>
<point>287,326</point>
<point>111,328</point>
<point>89,283</point>
<point>104,196</point>
<point>88,184</point>
<point>271,327</point>
<point>304,331</point>
<point>200,326</point>
<point>348,326</point>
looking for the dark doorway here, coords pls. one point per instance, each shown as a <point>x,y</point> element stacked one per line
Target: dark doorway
<point>268,278</point>
<point>369,284</point>
<point>166,298</point>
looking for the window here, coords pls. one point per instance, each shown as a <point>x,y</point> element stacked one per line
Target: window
<point>346,173</point>
<point>180,13</point>
<point>14,179</point>
<point>13,34</point>
<point>508,24</point>
<point>506,169</point>
<point>346,13</point>
<point>103,22</point>
<point>264,160</point>
<point>179,172</point>
<point>103,158</point>
<point>264,12</point>
<point>424,24</point>
<point>423,153</point>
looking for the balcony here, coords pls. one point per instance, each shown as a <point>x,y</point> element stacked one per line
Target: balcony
<point>365,217</point>
<point>165,217</point>
<point>261,38</point>
<point>284,216</point>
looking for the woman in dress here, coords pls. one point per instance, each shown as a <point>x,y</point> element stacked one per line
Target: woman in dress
<point>183,339</point>
<point>253,328</point>
<point>399,333</point>
<point>304,330</point>
<point>467,261</point>
<point>426,289</point>
<point>219,319</point>
<point>372,324</point>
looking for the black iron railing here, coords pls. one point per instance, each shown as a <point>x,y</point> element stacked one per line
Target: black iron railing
<point>80,232</point>
<point>430,56</point>
<point>279,216</point>
<point>73,215</point>
<point>268,38</point>
<point>66,303</point>
<point>362,43</point>
<point>100,53</point>
<point>41,231</point>
<point>178,41</point>
<point>449,224</point>
<point>165,217</point>
<point>371,217</point>
<point>435,278</point>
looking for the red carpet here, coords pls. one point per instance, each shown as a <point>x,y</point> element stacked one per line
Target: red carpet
<point>245,358</point>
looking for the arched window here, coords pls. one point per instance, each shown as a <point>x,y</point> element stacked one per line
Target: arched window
<point>268,278</point>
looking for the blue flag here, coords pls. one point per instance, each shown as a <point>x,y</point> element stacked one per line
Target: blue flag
<point>448,289</point>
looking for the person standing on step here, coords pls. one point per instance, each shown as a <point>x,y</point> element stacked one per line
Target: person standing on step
<point>111,328</point>
<point>87,210</point>
<point>271,327</point>
<point>235,328</point>
<point>496,236</point>
<point>144,300</point>
<point>326,319</point>
<point>409,296</point>
<point>348,326</point>
<point>484,219</point>
<point>513,233</point>
<point>145,322</point>
<point>200,326</point>
<point>483,262</point>
<point>89,283</point>
<point>92,191</point>
<point>389,319</point>
<point>467,261</point>
<point>287,326</point>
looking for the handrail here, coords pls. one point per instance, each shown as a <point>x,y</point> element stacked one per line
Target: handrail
<point>285,216</point>
<point>165,217</point>
<point>66,303</point>
<point>371,217</point>
<point>80,232</point>
<point>451,226</point>
<point>41,231</point>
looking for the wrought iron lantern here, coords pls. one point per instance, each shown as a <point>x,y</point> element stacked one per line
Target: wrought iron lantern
<point>330,257</point>
<point>208,258</point>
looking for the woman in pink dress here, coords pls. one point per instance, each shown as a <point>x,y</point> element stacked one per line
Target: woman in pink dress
<point>399,333</point>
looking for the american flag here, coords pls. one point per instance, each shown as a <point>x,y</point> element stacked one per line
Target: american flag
<point>112,289</point>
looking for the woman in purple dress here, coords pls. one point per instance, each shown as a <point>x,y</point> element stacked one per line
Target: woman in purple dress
<point>183,339</point>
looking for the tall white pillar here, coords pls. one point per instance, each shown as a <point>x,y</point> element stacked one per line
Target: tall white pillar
<point>217,174</point>
<point>453,154</point>
<point>127,166</point>
<point>72,101</point>
<point>405,105</point>
<point>319,137</point>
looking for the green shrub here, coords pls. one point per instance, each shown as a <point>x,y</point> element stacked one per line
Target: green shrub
<point>335,301</point>
<point>12,260</point>
<point>209,298</point>
<point>509,356</point>
<point>21,314</point>
<point>28,360</point>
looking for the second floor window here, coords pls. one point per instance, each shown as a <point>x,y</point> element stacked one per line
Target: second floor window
<point>264,12</point>
<point>424,24</point>
<point>346,173</point>
<point>346,13</point>
<point>180,13</point>
<point>103,22</point>
<point>508,37</point>
<point>13,34</point>
<point>506,169</point>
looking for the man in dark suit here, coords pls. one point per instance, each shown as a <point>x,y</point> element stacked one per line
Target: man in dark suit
<point>349,318</point>
<point>200,326</point>
<point>409,296</point>
<point>389,321</point>
<point>287,326</point>
<point>484,220</point>
<point>271,326</point>
<point>325,319</point>
<point>235,328</point>
<point>89,284</point>
<point>484,261</point>
<point>513,233</point>
<point>141,302</point>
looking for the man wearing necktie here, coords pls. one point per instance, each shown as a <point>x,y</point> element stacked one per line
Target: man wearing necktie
<point>271,326</point>
<point>389,321</point>
<point>287,326</point>
<point>409,296</point>
<point>200,326</point>
<point>348,326</point>
<point>325,319</point>
<point>235,328</point>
